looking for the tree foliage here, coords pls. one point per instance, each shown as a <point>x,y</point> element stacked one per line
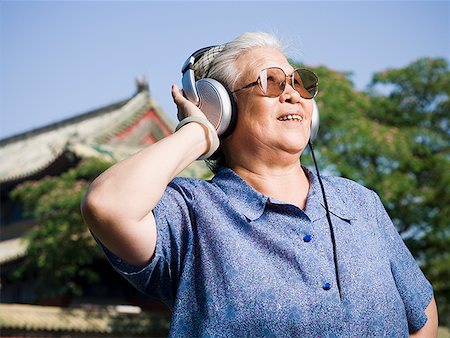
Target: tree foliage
<point>60,248</point>
<point>418,105</point>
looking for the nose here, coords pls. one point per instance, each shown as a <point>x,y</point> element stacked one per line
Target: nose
<point>289,93</point>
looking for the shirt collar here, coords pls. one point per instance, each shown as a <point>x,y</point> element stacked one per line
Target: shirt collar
<point>251,203</point>
<point>241,195</point>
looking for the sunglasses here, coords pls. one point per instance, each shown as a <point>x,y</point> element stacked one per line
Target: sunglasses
<point>272,82</point>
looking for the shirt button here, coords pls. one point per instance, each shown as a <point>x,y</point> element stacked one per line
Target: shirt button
<point>326,286</point>
<point>307,238</point>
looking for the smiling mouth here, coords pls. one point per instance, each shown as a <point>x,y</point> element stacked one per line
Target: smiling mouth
<point>291,117</point>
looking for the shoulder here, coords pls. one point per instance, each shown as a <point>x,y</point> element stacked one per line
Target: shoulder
<point>346,186</point>
<point>188,187</point>
<point>185,182</point>
<point>182,194</point>
<point>357,199</point>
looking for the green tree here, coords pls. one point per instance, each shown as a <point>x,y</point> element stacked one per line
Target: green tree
<point>416,102</point>
<point>394,138</point>
<point>60,248</point>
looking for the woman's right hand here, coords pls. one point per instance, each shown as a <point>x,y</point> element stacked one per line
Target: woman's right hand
<point>185,107</point>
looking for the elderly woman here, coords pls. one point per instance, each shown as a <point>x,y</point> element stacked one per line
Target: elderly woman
<point>251,252</point>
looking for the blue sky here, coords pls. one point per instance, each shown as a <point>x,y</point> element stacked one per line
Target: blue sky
<point>61,59</point>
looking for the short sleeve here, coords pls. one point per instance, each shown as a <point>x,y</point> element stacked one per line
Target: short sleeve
<point>413,287</point>
<point>159,279</point>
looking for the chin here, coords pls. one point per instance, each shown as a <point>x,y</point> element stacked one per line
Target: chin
<point>294,149</point>
<point>297,143</point>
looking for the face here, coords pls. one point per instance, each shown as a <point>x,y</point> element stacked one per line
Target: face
<point>267,124</point>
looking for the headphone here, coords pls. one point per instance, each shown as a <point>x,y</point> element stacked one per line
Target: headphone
<point>217,102</point>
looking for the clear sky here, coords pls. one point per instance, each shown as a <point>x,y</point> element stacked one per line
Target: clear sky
<point>61,59</point>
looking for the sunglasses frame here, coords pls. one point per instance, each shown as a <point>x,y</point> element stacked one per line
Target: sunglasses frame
<point>258,82</point>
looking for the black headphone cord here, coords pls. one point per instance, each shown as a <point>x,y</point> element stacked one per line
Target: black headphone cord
<point>333,240</point>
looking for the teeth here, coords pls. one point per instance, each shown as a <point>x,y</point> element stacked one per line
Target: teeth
<point>291,118</point>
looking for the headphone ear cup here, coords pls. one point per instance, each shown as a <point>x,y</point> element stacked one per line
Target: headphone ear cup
<point>314,121</point>
<point>217,105</point>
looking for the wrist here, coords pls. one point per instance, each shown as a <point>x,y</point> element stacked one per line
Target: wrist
<point>210,132</point>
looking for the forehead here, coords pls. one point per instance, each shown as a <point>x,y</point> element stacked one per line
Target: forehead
<point>252,62</point>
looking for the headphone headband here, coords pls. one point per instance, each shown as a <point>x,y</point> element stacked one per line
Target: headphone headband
<point>194,57</point>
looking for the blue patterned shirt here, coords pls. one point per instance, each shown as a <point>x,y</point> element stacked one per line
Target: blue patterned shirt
<point>231,262</point>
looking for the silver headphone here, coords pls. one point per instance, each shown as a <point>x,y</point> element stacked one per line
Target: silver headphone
<point>216,101</point>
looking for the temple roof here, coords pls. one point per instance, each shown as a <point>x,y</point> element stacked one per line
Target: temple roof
<point>112,133</point>
<point>95,133</point>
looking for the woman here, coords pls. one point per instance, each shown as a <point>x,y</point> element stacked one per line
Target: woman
<point>249,253</point>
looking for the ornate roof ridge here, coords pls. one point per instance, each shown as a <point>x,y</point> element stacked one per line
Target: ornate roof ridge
<point>44,145</point>
<point>112,133</point>
<point>132,110</point>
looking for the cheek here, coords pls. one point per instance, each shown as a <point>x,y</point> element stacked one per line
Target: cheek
<point>245,113</point>
<point>309,107</point>
<point>255,109</point>
<point>245,106</point>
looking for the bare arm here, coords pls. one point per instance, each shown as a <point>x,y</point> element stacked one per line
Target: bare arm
<point>430,329</point>
<point>118,205</point>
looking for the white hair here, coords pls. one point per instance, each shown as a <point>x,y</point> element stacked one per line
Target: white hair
<point>223,68</point>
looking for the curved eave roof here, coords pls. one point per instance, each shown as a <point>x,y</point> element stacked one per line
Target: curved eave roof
<point>29,153</point>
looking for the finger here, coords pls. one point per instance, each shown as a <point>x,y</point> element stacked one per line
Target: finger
<point>185,107</point>
<point>177,94</point>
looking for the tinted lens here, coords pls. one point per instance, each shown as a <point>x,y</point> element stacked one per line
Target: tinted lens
<point>272,81</point>
<point>306,83</point>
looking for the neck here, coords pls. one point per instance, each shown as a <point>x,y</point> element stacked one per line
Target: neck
<point>287,183</point>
